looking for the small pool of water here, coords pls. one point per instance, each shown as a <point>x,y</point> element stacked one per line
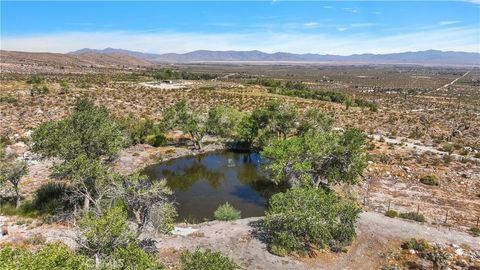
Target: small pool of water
<point>202,183</point>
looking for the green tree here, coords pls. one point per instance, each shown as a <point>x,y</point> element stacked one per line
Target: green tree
<point>139,129</point>
<point>283,120</point>
<point>180,116</point>
<point>224,121</point>
<point>142,196</point>
<point>251,126</point>
<point>302,219</point>
<point>314,119</point>
<point>86,140</point>
<point>317,158</point>
<point>12,172</point>
<point>101,235</point>
<point>90,179</point>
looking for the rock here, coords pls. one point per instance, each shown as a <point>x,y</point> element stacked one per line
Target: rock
<point>462,263</point>
<point>183,231</point>
<point>412,251</point>
<point>20,145</point>
<point>28,133</point>
<point>459,251</point>
<point>4,230</point>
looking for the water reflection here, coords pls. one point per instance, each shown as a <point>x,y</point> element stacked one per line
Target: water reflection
<point>203,182</point>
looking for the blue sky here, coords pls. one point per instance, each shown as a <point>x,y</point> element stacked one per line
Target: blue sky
<point>299,27</point>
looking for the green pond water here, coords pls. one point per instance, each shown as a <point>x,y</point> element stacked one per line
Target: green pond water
<point>202,183</point>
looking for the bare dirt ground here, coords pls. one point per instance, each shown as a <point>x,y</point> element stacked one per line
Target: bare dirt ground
<point>376,234</point>
<point>242,241</point>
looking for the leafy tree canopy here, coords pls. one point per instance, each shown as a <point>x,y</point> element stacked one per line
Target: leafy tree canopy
<point>89,131</point>
<point>316,158</point>
<point>302,219</point>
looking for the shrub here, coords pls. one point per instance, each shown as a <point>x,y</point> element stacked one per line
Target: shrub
<point>447,158</point>
<point>475,231</point>
<point>27,209</point>
<point>102,235</point>
<point>131,257</point>
<point>36,240</point>
<point>156,140</point>
<point>301,219</point>
<point>391,213</point>
<point>35,79</point>
<point>227,212</point>
<point>438,257</point>
<point>448,147</point>
<point>163,217</point>
<point>52,256</point>
<point>206,260</point>
<point>39,90</point>
<point>418,245</point>
<point>49,198</point>
<point>430,179</point>
<point>412,216</point>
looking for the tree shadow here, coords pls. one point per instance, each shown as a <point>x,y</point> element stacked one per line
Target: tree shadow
<point>257,230</point>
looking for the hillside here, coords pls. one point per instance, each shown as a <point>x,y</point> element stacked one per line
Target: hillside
<point>87,59</point>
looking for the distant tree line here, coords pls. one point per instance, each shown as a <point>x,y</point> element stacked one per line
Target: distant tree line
<point>299,89</point>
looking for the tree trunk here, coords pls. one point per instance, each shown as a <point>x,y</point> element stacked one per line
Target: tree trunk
<point>86,204</point>
<point>138,219</point>
<point>17,195</point>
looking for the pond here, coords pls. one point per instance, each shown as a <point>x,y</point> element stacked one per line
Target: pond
<point>202,183</point>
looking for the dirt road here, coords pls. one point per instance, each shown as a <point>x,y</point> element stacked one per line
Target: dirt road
<point>450,83</point>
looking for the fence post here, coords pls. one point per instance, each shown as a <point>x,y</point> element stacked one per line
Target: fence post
<point>418,209</point>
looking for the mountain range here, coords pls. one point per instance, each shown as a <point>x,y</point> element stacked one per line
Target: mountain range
<point>428,57</point>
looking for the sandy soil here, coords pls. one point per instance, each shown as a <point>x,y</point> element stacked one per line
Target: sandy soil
<point>242,241</point>
<point>376,234</point>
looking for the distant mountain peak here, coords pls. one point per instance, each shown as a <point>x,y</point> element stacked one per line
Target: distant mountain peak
<point>427,57</point>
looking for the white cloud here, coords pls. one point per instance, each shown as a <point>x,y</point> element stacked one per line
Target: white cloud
<point>473,1</point>
<point>311,25</point>
<point>453,38</point>
<point>361,25</point>
<point>448,22</point>
<point>351,10</point>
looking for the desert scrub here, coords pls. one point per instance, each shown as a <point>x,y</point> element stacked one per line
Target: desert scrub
<point>302,220</point>
<point>227,212</point>
<point>391,213</point>
<point>474,231</point>
<point>36,240</point>
<point>52,256</point>
<point>418,245</point>
<point>412,216</point>
<point>438,257</point>
<point>206,260</point>
<point>430,179</point>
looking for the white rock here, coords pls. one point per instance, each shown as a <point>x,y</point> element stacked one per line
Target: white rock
<point>459,251</point>
<point>183,231</point>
